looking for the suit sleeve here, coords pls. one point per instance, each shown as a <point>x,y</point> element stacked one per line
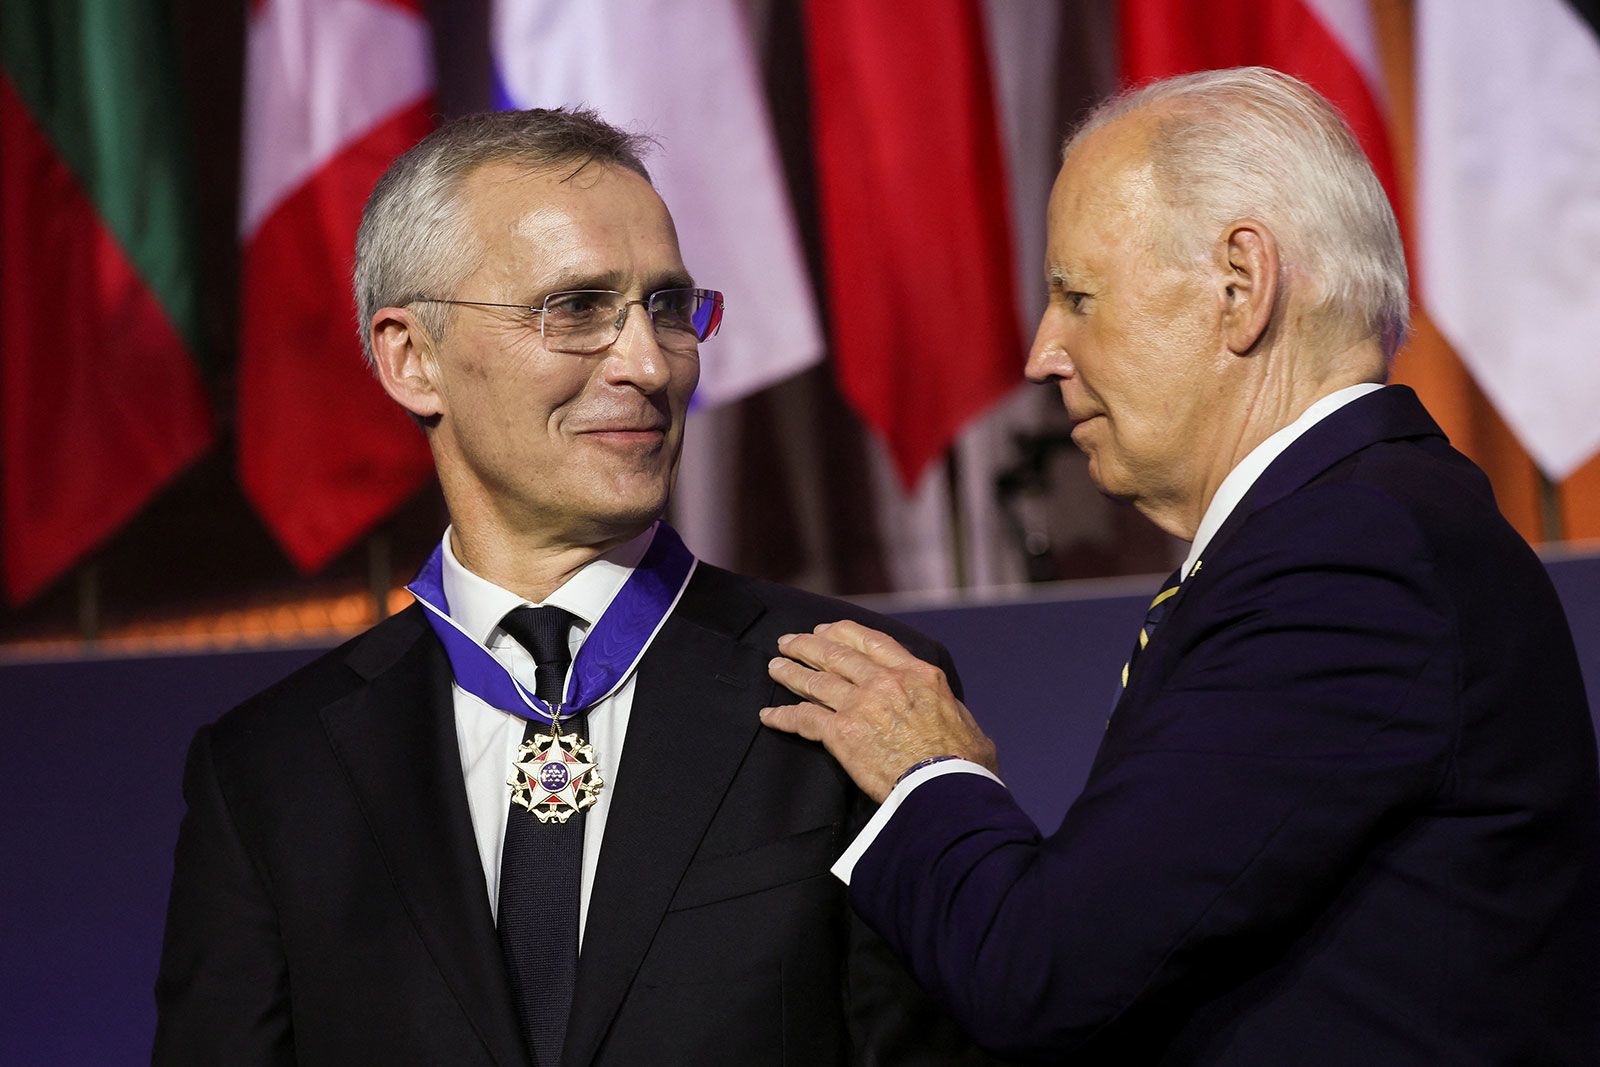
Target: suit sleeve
<point>1310,707</point>
<point>892,1020</point>
<point>222,992</point>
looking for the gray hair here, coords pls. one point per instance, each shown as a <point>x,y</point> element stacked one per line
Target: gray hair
<point>1252,141</point>
<point>414,241</point>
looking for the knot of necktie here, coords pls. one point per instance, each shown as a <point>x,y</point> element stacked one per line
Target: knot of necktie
<point>544,633</point>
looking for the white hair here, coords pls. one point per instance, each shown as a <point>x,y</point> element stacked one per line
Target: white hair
<point>1254,142</point>
<point>414,242</point>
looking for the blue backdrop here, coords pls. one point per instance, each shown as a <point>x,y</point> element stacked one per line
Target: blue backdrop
<point>91,757</point>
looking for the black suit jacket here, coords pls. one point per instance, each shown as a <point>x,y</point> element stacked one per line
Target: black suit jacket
<point>329,907</point>
<point>1346,811</point>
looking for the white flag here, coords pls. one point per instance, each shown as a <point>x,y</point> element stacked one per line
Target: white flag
<point>685,75</point>
<point>1508,206</point>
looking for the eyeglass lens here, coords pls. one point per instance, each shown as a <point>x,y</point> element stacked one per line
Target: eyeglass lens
<point>591,319</point>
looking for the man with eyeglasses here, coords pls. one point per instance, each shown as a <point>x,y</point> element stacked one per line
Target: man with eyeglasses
<point>533,819</point>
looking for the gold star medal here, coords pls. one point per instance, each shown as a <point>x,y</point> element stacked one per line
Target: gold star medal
<point>555,775</point>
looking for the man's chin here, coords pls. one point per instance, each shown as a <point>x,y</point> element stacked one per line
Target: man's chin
<point>1111,487</point>
<point>622,515</point>
<point>616,501</point>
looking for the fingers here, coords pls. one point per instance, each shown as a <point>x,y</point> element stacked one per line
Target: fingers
<point>825,654</point>
<point>818,686</point>
<point>876,646</point>
<point>808,720</point>
<point>841,661</point>
<point>874,706</point>
<point>850,650</point>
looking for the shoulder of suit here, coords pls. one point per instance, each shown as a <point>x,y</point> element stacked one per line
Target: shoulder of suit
<point>1422,484</point>
<point>293,702</point>
<point>1392,508</point>
<point>785,609</point>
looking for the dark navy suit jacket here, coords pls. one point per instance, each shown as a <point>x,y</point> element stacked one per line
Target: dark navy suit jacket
<point>1345,813</point>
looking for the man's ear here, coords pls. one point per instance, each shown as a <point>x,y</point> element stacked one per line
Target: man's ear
<point>1250,264</point>
<point>402,353</point>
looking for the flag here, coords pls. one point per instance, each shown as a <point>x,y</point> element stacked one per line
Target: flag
<point>334,91</point>
<point>960,531</point>
<point>915,220</point>
<point>101,400</point>
<point>1329,44</point>
<point>691,82</point>
<point>1508,209</point>
<point>1426,362</point>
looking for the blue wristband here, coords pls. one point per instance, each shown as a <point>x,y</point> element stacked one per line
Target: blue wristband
<point>915,767</point>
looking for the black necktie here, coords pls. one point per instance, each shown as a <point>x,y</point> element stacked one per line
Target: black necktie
<point>1152,619</point>
<point>541,866</point>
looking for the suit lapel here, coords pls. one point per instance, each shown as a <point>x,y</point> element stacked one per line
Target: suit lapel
<point>694,706</point>
<point>395,738</point>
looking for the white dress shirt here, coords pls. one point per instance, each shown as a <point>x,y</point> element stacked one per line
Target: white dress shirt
<point>1227,497</point>
<point>489,738</point>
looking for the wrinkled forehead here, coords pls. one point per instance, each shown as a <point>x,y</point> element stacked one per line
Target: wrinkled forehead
<point>508,194</point>
<point>1107,188</point>
<point>566,219</point>
<point>1108,166</point>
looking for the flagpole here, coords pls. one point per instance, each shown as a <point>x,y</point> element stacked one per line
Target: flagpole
<point>89,602</point>
<point>956,515</point>
<point>380,572</point>
<point>1551,528</point>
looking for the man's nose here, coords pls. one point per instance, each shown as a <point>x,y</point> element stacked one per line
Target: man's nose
<point>635,357</point>
<point>1047,358</point>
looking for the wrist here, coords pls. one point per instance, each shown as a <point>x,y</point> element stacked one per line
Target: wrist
<point>915,767</point>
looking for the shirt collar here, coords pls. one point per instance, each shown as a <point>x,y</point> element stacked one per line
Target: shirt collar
<point>1247,470</point>
<point>478,605</point>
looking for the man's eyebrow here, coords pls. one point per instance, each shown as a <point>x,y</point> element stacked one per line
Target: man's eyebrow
<point>613,281</point>
<point>1062,278</point>
<point>565,283</point>
<point>673,280</point>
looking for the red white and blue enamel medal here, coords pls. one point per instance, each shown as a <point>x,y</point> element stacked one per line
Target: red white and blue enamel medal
<point>555,775</point>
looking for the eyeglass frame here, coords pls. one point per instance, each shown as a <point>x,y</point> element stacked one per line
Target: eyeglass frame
<point>622,314</point>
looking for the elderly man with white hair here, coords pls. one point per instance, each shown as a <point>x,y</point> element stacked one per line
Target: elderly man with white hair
<point>1346,808</point>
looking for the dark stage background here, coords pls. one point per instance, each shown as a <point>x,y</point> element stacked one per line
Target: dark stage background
<point>91,758</point>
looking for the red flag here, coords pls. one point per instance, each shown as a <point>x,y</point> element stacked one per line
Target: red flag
<point>335,89</point>
<point>915,221</point>
<point>101,402</point>
<point>1329,44</point>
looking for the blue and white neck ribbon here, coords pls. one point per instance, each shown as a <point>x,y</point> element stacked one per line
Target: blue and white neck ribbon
<point>616,643</point>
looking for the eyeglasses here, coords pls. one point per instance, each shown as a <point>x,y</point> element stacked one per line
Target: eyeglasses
<point>585,321</point>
